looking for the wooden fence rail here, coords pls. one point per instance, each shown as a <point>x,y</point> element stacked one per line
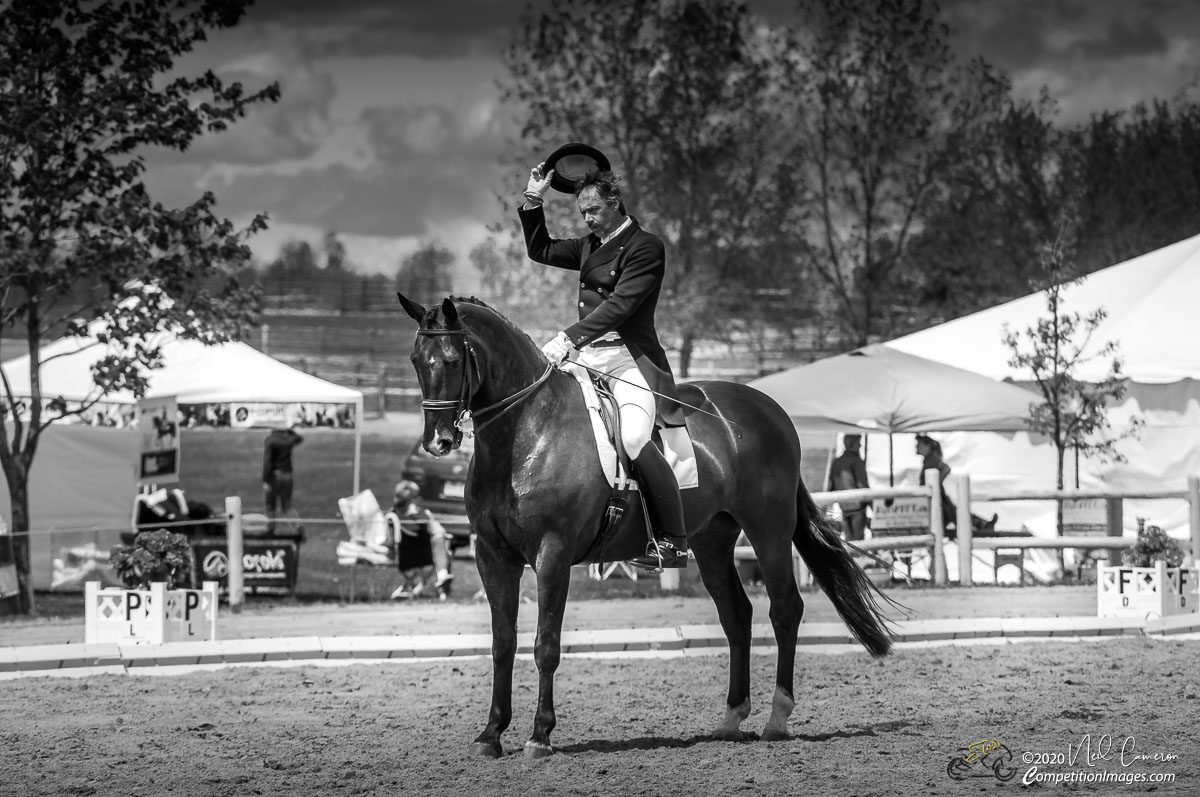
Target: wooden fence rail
<point>1113,541</point>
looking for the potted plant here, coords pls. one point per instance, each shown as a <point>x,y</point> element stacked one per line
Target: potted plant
<point>1151,581</point>
<point>1153,545</point>
<point>155,556</point>
<point>156,606</point>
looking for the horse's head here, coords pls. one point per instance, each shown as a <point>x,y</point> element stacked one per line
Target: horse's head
<point>446,371</point>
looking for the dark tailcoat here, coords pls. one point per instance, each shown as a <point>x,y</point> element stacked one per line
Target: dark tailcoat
<point>619,285</point>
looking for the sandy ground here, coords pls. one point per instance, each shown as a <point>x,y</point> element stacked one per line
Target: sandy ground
<point>426,617</point>
<point>634,725</point>
<point>625,727</point>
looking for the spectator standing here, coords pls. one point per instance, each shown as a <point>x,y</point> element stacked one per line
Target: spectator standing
<point>849,472</point>
<point>277,476</point>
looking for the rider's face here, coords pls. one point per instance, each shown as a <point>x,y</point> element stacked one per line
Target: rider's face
<point>600,217</point>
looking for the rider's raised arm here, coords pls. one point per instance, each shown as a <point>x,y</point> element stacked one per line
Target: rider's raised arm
<point>560,253</point>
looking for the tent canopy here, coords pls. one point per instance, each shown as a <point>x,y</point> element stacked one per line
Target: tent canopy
<point>191,371</point>
<point>1150,302</point>
<point>878,389</point>
<point>1150,315</point>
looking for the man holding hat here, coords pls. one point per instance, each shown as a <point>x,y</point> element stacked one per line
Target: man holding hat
<point>621,268</point>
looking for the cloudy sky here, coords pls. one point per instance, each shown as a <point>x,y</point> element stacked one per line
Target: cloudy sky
<point>389,128</point>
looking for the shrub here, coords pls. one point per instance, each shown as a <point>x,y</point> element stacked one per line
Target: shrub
<point>1153,545</point>
<point>158,555</point>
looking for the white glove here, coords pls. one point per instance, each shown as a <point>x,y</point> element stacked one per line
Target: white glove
<point>538,182</point>
<point>557,350</point>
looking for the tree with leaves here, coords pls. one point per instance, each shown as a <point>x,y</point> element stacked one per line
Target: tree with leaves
<point>529,295</point>
<point>682,98</point>
<point>890,119</point>
<point>429,271</point>
<point>1073,413</point>
<point>1134,174</point>
<point>86,89</point>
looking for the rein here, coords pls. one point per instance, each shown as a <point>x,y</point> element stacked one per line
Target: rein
<point>465,415</point>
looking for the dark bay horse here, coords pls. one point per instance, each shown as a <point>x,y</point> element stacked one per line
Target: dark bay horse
<point>536,494</point>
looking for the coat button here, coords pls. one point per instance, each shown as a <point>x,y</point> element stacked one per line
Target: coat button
<point>581,285</point>
<point>613,273</point>
<point>581,304</point>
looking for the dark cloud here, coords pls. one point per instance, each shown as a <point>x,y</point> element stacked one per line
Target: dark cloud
<point>399,201</point>
<point>1015,41</point>
<point>1124,39</point>
<point>401,134</point>
<point>1017,38</point>
<point>427,28</point>
<point>291,128</point>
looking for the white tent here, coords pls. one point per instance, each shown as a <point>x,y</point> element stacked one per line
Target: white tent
<point>1149,302</point>
<point>81,493</point>
<point>878,389</point>
<point>1151,306</point>
<point>192,372</point>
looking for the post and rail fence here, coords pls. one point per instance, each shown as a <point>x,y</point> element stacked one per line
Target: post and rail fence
<point>931,538</point>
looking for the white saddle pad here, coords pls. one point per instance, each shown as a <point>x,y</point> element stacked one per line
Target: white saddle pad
<point>677,443</point>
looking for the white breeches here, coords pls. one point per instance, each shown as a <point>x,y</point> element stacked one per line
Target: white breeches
<point>634,398</point>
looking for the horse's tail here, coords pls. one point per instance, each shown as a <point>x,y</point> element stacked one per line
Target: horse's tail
<point>853,594</point>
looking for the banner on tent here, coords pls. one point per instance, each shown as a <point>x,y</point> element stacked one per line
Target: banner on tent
<point>158,427</point>
<point>245,415</point>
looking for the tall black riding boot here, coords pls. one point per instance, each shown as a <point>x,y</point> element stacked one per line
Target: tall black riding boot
<point>661,492</point>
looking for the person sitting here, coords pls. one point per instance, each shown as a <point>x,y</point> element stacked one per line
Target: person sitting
<point>422,545</point>
<point>930,451</point>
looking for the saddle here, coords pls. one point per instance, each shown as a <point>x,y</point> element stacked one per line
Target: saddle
<point>606,424</point>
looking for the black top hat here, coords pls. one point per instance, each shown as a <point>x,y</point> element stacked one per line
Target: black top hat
<point>572,162</point>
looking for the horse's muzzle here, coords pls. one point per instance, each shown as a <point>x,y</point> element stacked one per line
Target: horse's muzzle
<point>442,441</point>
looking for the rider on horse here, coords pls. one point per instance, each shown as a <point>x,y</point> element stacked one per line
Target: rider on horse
<point>621,273</point>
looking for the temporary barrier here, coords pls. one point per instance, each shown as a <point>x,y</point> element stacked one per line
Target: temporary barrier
<point>150,616</point>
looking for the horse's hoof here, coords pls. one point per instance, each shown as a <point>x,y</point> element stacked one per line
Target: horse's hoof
<point>772,735</point>
<point>729,735</point>
<point>538,750</point>
<point>486,749</point>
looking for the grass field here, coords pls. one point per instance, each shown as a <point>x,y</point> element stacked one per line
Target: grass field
<point>217,463</point>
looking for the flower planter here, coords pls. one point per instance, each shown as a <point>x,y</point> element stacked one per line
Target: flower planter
<point>1147,592</point>
<point>150,616</point>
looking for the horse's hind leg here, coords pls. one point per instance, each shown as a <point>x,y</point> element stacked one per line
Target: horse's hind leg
<point>502,581</point>
<point>774,551</point>
<point>713,549</point>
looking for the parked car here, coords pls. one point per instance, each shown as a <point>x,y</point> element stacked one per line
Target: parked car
<point>443,481</point>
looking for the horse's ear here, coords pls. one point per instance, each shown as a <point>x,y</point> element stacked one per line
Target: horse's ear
<point>449,313</point>
<point>414,310</point>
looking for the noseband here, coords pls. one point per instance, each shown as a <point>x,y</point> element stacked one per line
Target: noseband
<point>464,415</point>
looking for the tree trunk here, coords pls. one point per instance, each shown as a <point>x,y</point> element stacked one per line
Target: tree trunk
<point>686,347</point>
<point>1058,509</point>
<point>18,491</point>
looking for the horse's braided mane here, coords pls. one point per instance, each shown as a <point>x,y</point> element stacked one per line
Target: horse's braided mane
<point>471,300</point>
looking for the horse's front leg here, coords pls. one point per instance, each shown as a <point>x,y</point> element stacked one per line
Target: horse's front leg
<point>501,578</point>
<point>554,581</point>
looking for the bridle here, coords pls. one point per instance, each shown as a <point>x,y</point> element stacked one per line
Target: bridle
<point>463,414</point>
